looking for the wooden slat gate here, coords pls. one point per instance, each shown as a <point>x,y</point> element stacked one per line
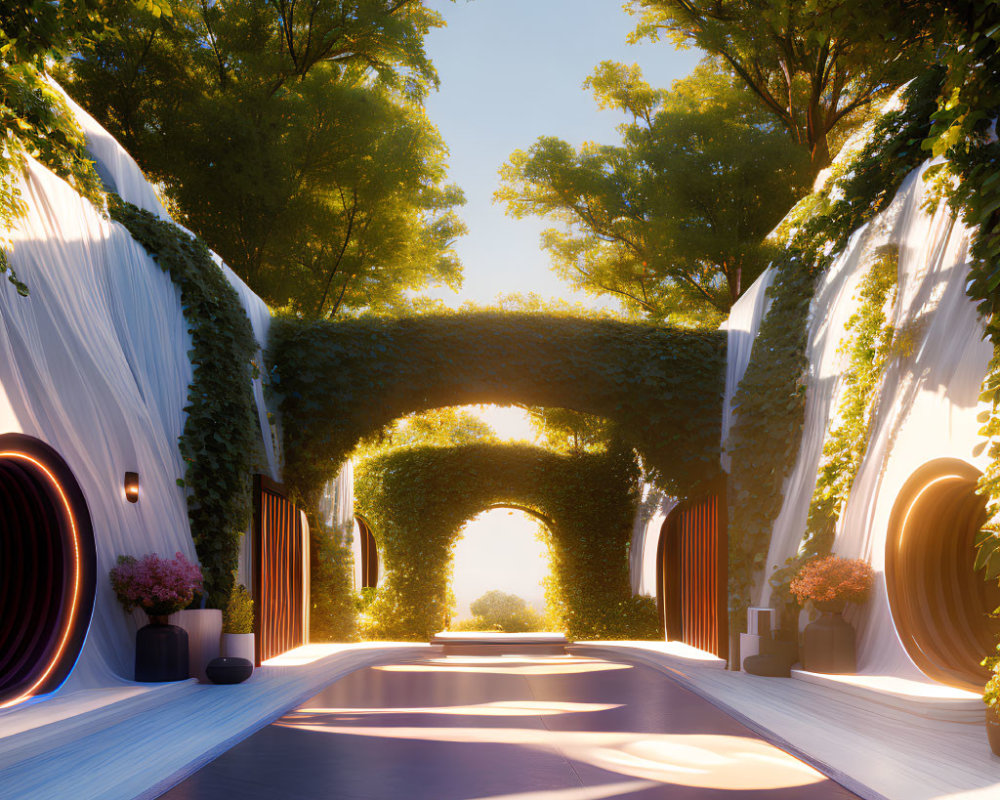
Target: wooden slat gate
<point>278,571</point>
<point>693,575</point>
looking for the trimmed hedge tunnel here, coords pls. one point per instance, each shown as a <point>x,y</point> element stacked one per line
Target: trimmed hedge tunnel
<point>417,501</point>
<point>341,381</point>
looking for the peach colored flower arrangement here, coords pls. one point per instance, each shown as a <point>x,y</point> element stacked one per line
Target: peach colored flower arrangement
<point>832,582</point>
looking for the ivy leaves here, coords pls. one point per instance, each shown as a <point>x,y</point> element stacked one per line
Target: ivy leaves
<point>220,433</point>
<point>770,400</point>
<point>963,134</point>
<point>343,381</point>
<point>35,121</point>
<point>417,499</point>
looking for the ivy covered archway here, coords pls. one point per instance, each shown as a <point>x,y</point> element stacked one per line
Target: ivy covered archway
<point>342,381</point>
<point>418,499</point>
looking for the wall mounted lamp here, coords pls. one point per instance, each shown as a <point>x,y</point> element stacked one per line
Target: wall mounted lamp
<point>132,487</point>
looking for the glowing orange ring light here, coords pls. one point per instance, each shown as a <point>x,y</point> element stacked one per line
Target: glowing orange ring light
<point>29,451</point>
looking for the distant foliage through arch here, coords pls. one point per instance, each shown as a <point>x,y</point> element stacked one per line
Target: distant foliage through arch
<point>418,499</point>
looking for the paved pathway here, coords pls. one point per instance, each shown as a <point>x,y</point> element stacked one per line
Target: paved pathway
<point>506,728</point>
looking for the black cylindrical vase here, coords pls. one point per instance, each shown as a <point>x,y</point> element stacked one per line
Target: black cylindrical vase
<point>161,653</point>
<point>828,645</point>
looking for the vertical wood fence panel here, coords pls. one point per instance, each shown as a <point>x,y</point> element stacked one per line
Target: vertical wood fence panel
<point>279,575</point>
<point>694,574</point>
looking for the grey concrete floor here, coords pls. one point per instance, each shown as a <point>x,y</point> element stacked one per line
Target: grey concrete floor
<point>506,728</point>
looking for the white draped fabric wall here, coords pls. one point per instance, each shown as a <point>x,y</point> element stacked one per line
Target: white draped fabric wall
<point>336,506</point>
<point>646,529</point>
<point>95,363</point>
<point>926,407</point>
<point>741,329</point>
<point>122,175</point>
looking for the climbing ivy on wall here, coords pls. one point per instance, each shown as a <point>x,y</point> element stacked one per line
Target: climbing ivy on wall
<point>867,346</point>
<point>770,400</point>
<point>219,439</point>
<point>870,342</point>
<point>342,381</point>
<point>964,133</point>
<point>220,433</point>
<point>418,499</point>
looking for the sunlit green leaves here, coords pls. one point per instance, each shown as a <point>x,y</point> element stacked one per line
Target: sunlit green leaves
<point>221,431</point>
<point>418,499</point>
<point>294,143</point>
<point>671,222</point>
<point>770,401</point>
<point>812,66</point>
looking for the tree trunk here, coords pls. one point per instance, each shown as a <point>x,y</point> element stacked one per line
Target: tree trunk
<point>819,154</point>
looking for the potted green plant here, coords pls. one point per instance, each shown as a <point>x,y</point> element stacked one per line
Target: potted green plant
<point>159,587</point>
<point>237,625</point>
<point>830,583</point>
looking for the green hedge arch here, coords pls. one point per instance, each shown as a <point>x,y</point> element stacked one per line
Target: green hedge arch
<point>418,499</point>
<point>341,381</point>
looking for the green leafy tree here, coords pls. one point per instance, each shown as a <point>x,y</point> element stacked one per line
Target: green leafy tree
<point>291,138</point>
<point>33,30</point>
<point>568,431</point>
<point>671,221</point>
<point>501,611</point>
<point>812,65</point>
<point>450,426</point>
<point>33,117</point>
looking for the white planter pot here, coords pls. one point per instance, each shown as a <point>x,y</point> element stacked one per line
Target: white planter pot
<point>238,645</point>
<point>204,629</point>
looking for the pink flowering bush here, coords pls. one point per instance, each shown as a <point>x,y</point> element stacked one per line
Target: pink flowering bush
<point>158,586</point>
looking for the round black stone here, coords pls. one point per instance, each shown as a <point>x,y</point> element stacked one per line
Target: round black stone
<point>228,670</point>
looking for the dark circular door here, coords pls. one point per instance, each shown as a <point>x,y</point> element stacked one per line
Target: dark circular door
<point>47,569</point>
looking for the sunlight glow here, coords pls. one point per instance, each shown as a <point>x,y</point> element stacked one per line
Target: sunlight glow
<point>500,708</point>
<point>511,423</point>
<point>499,549</point>
<point>696,760</point>
<point>577,793</point>
<point>891,685</point>
<point>306,654</point>
<point>917,498</point>
<point>494,667</point>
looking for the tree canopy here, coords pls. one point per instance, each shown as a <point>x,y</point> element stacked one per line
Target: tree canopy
<point>567,431</point>
<point>811,65</point>
<point>291,138</point>
<point>502,611</point>
<point>671,221</point>
<point>440,427</point>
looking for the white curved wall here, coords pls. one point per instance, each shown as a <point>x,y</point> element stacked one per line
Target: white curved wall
<point>926,408</point>
<point>95,363</point>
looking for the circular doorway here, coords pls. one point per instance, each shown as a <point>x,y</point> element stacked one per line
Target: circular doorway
<point>939,603</point>
<point>47,569</point>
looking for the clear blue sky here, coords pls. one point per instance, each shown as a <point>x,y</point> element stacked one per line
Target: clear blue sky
<point>511,71</point>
